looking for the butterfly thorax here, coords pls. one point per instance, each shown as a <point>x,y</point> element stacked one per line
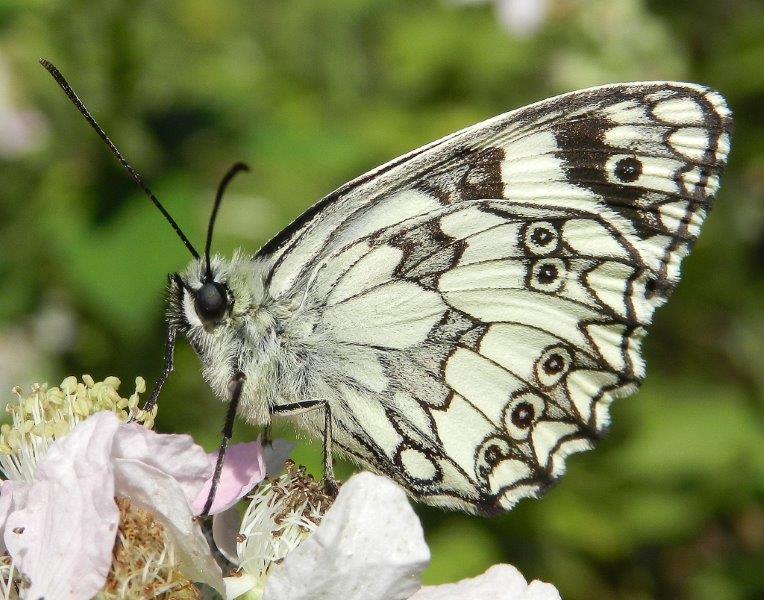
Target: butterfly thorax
<point>258,335</point>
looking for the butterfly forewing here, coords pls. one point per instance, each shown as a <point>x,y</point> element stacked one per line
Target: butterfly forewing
<point>479,302</point>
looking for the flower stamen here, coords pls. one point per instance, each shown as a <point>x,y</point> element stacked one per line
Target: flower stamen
<point>144,564</point>
<point>48,414</point>
<point>282,514</point>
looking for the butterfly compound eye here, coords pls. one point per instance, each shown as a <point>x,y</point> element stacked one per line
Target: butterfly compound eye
<point>211,302</point>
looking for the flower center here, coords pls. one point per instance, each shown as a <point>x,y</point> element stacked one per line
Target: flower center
<point>144,562</point>
<point>281,515</point>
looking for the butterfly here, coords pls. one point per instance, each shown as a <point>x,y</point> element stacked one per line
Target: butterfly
<point>460,318</point>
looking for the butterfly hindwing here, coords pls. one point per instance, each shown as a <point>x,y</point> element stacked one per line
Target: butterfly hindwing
<point>479,302</point>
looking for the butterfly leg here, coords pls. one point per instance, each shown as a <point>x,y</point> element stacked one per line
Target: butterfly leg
<point>169,353</point>
<point>236,384</point>
<point>267,436</point>
<point>330,482</point>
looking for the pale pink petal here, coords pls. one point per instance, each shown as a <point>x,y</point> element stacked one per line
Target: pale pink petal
<point>62,538</point>
<point>151,489</point>
<point>225,528</point>
<point>9,491</point>
<point>176,455</point>
<point>503,582</point>
<point>369,546</point>
<point>243,469</point>
<point>17,490</point>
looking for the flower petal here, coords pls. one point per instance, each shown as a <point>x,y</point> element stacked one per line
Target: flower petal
<point>63,535</point>
<point>157,492</point>
<point>243,468</point>
<point>499,581</point>
<point>238,585</point>
<point>369,546</point>
<point>9,491</point>
<point>177,455</point>
<point>225,524</point>
<point>225,528</point>
<point>538,590</point>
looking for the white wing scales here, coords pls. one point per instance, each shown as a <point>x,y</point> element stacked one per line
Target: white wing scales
<point>481,301</point>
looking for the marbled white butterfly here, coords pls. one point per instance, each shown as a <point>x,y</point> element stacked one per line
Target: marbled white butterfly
<point>460,318</point>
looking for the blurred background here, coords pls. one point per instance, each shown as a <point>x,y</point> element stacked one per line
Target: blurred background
<point>311,94</point>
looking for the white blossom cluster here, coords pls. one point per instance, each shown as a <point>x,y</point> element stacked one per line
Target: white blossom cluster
<point>94,506</point>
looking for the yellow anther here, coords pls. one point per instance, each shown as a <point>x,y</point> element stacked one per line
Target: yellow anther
<point>60,429</point>
<point>69,385</point>
<point>112,382</point>
<point>55,396</point>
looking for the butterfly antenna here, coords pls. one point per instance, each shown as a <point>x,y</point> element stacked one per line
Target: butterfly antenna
<point>64,85</point>
<point>236,168</point>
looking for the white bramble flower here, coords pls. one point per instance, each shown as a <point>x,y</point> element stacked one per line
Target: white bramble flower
<point>144,564</point>
<point>367,545</point>
<point>281,514</point>
<point>96,507</point>
<point>503,582</point>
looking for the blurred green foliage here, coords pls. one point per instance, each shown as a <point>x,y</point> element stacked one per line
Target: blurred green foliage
<point>313,93</point>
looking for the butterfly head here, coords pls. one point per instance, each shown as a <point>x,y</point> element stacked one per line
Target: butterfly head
<point>210,299</point>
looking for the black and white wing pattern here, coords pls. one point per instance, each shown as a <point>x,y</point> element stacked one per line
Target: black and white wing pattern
<point>475,305</point>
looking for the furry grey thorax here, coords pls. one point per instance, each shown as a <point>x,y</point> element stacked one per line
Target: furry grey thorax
<point>267,339</point>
